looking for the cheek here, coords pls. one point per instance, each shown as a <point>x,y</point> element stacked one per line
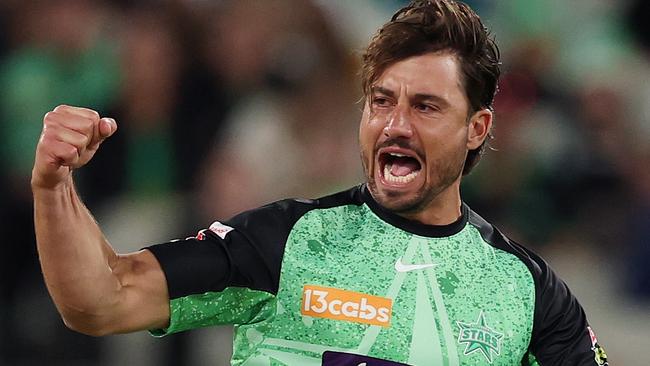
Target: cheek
<point>366,147</point>
<point>445,143</point>
<point>369,132</point>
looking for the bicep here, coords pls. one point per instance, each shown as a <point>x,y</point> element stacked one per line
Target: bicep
<point>144,298</point>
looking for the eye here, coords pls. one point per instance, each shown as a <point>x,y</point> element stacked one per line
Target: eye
<point>426,108</point>
<point>379,101</point>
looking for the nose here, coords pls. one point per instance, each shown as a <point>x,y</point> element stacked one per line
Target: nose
<point>398,124</point>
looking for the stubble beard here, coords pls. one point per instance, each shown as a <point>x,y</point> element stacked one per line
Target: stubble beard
<point>449,171</point>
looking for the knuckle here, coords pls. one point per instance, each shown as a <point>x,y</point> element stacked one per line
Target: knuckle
<point>61,107</point>
<point>46,137</point>
<point>71,153</point>
<point>88,125</point>
<point>49,116</point>
<point>88,113</point>
<point>85,140</point>
<point>94,114</point>
<point>49,130</point>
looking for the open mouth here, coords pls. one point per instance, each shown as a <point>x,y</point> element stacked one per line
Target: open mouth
<point>398,168</point>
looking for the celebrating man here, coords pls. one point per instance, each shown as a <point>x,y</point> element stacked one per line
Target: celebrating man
<point>395,271</point>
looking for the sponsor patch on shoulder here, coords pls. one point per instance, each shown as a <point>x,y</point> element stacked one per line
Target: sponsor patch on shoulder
<point>599,353</point>
<point>220,229</point>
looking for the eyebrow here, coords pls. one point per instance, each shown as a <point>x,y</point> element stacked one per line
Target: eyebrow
<point>382,90</point>
<point>442,102</point>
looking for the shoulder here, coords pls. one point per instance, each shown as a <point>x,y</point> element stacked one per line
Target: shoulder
<point>493,236</point>
<point>550,290</point>
<point>285,213</point>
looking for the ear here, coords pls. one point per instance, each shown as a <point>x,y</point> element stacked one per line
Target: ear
<point>479,126</point>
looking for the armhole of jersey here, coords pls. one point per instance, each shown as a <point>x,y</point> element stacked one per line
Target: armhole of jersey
<point>530,360</point>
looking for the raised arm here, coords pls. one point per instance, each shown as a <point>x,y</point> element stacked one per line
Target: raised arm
<point>96,290</point>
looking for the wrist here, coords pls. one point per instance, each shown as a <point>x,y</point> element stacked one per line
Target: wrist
<point>43,185</point>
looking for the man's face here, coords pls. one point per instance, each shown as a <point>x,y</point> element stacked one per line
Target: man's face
<point>415,132</point>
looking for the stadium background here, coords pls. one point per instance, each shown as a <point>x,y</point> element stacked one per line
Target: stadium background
<point>224,105</point>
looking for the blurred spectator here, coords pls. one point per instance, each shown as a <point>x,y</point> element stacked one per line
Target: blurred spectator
<point>637,271</point>
<point>295,135</point>
<point>140,160</point>
<point>592,174</point>
<point>638,13</point>
<point>532,134</point>
<point>637,172</point>
<point>65,56</point>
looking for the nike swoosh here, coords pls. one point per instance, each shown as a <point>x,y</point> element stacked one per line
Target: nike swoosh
<point>401,267</point>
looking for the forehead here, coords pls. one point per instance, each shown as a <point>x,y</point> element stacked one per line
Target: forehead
<point>432,73</point>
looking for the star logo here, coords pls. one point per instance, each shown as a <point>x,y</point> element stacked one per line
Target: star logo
<point>479,337</point>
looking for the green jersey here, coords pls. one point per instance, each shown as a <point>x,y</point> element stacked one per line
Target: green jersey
<point>342,281</point>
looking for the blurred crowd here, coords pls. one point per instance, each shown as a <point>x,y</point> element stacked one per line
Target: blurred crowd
<point>224,105</point>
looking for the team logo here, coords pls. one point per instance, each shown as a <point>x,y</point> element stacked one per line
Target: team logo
<point>599,353</point>
<point>333,303</point>
<point>479,337</point>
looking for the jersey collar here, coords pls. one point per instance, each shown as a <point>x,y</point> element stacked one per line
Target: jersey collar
<point>415,227</point>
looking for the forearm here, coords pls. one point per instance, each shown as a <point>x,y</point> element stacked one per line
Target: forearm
<point>96,291</point>
<point>76,259</point>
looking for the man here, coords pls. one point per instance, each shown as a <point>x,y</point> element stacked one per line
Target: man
<point>396,271</point>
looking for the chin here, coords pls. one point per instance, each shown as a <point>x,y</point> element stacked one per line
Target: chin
<point>398,201</point>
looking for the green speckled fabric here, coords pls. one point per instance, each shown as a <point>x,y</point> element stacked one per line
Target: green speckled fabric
<point>234,305</point>
<point>474,306</point>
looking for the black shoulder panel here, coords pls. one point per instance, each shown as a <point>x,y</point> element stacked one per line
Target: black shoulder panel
<point>245,251</point>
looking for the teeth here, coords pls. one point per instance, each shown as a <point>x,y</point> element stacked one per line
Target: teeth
<point>397,155</point>
<point>396,179</point>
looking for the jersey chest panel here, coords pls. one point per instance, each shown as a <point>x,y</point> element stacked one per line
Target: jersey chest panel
<point>352,283</point>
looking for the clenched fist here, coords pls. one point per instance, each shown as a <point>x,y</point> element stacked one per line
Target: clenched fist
<point>70,138</point>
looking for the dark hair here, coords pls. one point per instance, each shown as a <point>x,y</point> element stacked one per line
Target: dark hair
<point>426,26</point>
